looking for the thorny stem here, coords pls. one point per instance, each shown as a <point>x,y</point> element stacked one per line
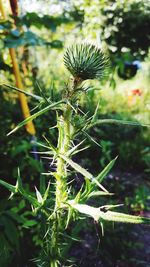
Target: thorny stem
<point>63,146</point>
<point>61,194</point>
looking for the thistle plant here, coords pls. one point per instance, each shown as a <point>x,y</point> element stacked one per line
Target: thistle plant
<point>84,62</point>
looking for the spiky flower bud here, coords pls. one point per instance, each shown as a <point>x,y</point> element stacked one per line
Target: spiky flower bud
<point>85,61</point>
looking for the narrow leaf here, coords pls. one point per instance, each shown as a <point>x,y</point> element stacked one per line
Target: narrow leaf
<point>124,218</point>
<point>114,121</point>
<point>86,209</point>
<point>80,150</point>
<point>35,115</point>
<point>99,193</point>
<point>105,171</point>
<point>41,92</point>
<point>38,195</point>
<point>108,207</point>
<point>97,214</point>
<point>91,138</point>
<point>83,171</point>
<point>46,192</point>
<point>10,187</point>
<point>22,91</point>
<point>24,193</point>
<point>30,198</point>
<point>19,181</point>
<point>50,144</point>
<point>96,111</point>
<point>74,148</point>
<point>29,223</point>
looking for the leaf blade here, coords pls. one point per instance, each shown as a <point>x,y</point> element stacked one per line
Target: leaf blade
<point>106,170</point>
<point>83,171</point>
<point>35,115</point>
<point>124,218</point>
<point>22,91</point>
<point>97,215</point>
<point>114,121</point>
<point>11,188</point>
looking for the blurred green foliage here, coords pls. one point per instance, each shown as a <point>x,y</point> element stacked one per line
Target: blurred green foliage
<point>126,27</point>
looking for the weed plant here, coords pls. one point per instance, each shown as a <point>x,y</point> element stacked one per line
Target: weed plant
<point>58,202</point>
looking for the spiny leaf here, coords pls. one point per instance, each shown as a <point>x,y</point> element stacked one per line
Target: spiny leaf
<point>95,113</point>
<point>19,181</point>
<point>80,150</point>
<point>51,146</point>
<point>38,195</point>
<point>81,170</point>
<point>42,94</point>
<point>42,145</point>
<point>91,138</point>
<point>108,207</point>
<point>86,209</point>
<point>22,91</point>
<point>35,115</point>
<point>46,192</point>
<point>99,193</point>
<point>124,218</point>
<point>18,188</point>
<point>97,214</point>
<point>32,200</point>
<point>74,148</point>
<point>23,192</point>
<point>105,171</point>
<point>69,216</point>
<point>114,121</point>
<point>11,188</point>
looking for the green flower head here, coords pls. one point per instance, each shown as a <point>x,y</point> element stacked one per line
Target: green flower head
<point>85,61</point>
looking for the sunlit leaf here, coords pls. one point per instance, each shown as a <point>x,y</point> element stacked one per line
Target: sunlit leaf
<point>38,195</point>
<point>99,193</point>
<point>124,218</point>
<point>97,215</point>
<point>83,171</point>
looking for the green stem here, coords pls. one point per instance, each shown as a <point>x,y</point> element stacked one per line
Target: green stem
<point>63,146</point>
<point>61,193</point>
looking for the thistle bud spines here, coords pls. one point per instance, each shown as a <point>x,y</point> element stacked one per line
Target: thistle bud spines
<point>85,61</point>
